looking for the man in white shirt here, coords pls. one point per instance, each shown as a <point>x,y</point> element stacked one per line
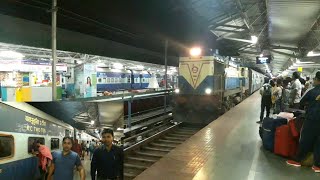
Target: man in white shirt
<point>296,89</point>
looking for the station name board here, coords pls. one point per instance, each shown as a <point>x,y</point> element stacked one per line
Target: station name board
<point>263,59</point>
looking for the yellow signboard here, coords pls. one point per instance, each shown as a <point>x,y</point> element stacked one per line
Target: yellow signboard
<point>299,69</point>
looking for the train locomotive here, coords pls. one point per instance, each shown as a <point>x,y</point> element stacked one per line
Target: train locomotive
<point>208,86</point>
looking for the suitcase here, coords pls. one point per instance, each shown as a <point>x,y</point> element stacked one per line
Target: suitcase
<point>284,143</point>
<point>268,129</point>
<point>295,133</point>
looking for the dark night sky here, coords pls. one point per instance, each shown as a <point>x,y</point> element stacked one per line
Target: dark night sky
<point>143,23</point>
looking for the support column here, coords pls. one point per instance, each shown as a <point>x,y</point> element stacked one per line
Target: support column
<point>54,49</point>
<point>165,75</point>
<point>129,113</point>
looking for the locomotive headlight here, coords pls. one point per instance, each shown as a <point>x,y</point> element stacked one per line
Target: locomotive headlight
<point>177,91</point>
<point>208,91</point>
<point>196,51</point>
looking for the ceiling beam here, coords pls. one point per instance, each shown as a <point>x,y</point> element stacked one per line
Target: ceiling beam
<point>311,41</point>
<point>244,16</point>
<point>284,47</point>
<point>249,52</point>
<point>231,31</point>
<point>282,53</point>
<point>232,26</point>
<point>215,25</point>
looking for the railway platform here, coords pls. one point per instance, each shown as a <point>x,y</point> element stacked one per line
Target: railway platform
<point>228,148</point>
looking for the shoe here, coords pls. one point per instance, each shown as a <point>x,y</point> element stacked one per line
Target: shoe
<point>259,122</point>
<point>316,169</point>
<point>293,163</point>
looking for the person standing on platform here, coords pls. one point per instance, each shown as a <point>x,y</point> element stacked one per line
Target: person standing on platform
<point>87,147</point>
<point>76,147</point>
<point>92,148</point>
<point>107,159</point>
<point>296,89</point>
<point>277,93</point>
<point>266,93</point>
<point>64,161</point>
<point>83,150</point>
<point>285,96</point>
<point>45,158</point>
<point>310,133</point>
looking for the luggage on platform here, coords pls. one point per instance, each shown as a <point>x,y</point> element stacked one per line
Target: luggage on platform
<point>286,115</point>
<point>284,143</point>
<point>268,129</point>
<point>293,129</point>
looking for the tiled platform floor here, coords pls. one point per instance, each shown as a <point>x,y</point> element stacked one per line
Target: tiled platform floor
<point>227,149</point>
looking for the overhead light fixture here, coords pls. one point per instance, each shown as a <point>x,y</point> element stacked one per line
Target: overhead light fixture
<point>311,54</point>
<point>254,39</point>
<point>307,62</point>
<point>117,65</point>
<point>11,55</point>
<point>140,67</point>
<point>196,51</point>
<point>177,91</point>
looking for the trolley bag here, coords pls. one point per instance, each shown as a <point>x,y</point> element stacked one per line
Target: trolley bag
<point>284,143</point>
<point>269,126</point>
<point>293,129</point>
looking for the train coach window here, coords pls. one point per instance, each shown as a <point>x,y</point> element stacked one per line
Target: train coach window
<point>6,146</point>
<point>32,143</point>
<point>55,143</point>
<point>67,133</point>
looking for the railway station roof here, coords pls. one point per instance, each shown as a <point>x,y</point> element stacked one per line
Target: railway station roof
<point>285,29</point>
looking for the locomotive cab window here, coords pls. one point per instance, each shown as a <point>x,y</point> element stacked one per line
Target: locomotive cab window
<point>55,143</point>
<point>6,146</point>
<point>32,143</point>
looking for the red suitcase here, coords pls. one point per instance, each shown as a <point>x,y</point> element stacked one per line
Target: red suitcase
<point>285,144</point>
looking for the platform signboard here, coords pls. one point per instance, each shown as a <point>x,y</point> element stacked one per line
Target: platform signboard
<point>263,59</point>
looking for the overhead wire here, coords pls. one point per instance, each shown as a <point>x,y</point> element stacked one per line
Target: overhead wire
<point>93,22</point>
<point>70,14</point>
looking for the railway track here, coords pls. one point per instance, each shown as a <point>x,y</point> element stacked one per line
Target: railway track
<point>143,154</point>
